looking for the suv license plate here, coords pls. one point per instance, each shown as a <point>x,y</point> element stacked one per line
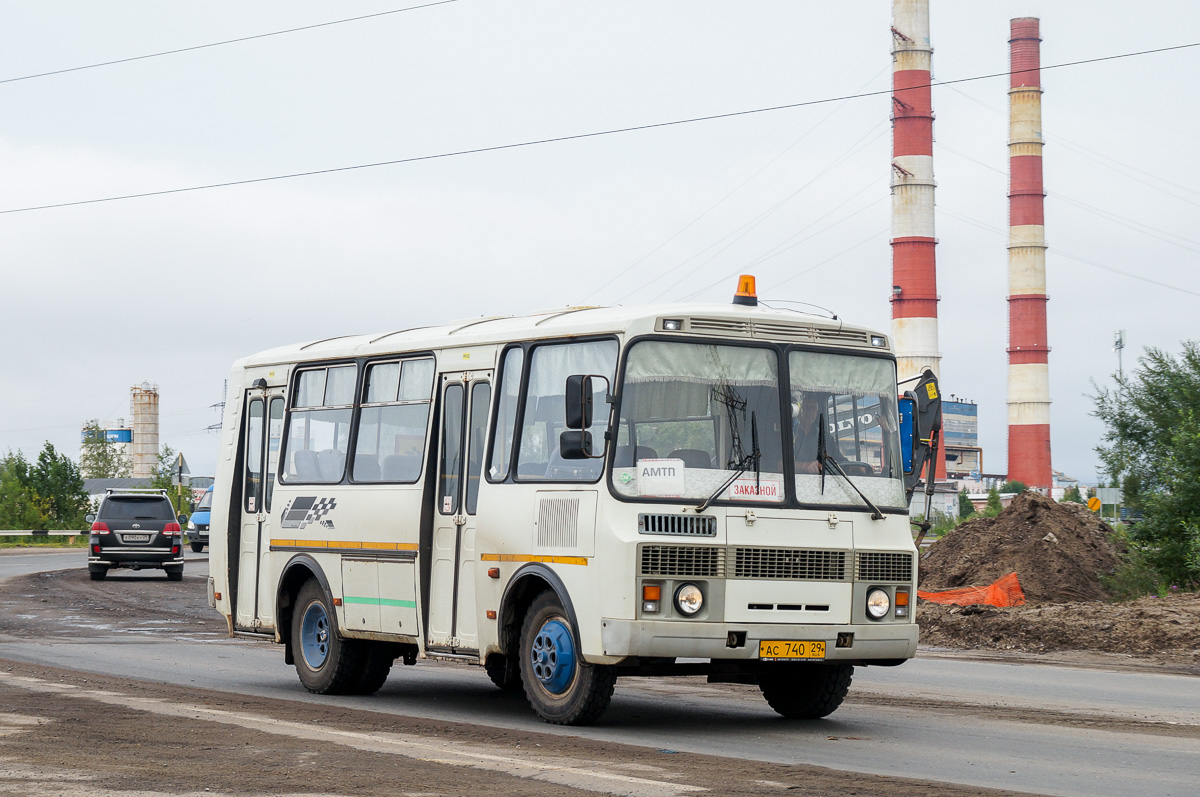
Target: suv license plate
<point>790,650</point>
<point>135,538</point>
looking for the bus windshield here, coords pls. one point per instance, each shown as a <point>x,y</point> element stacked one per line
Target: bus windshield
<point>693,414</point>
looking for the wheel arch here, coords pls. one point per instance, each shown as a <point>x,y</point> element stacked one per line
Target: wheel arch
<point>299,569</point>
<point>526,584</point>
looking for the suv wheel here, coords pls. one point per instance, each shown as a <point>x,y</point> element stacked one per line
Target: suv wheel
<point>97,572</point>
<point>174,573</point>
<point>197,547</point>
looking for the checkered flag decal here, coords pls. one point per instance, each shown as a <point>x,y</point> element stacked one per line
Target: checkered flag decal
<point>307,509</point>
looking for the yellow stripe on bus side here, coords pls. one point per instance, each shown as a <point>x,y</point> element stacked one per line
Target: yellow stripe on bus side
<point>520,557</point>
<point>348,545</point>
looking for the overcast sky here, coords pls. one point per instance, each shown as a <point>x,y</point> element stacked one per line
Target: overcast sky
<point>172,289</point>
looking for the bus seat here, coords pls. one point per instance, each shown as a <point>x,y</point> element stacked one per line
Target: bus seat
<point>692,458</point>
<point>399,468</point>
<point>366,468</point>
<point>333,464</point>
<point>305,466</point>
<point>625,458</point>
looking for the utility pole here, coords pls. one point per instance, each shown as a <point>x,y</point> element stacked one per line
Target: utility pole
<point>1118,347</point>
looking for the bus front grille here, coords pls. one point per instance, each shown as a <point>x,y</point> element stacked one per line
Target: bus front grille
<point>794,564</point>
<point>687,561</point>
<point>683,525</point>
<point>889,567</point>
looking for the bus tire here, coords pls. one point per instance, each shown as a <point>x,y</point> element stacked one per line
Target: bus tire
<point>326,663</point>
<point>375,662</point>
<point>502,675</point>
<point>808,691</point>
<point>559,685</point>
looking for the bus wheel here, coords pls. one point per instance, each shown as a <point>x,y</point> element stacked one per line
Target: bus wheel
<point>504,676</point>
<point>807,692</point>
<point>560,687</point>
<point>326,663</point>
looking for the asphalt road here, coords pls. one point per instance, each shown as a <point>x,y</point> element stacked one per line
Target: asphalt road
<point>1023,727</point>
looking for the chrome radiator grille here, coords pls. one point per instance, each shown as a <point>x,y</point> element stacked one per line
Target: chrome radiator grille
<point>894,567</point>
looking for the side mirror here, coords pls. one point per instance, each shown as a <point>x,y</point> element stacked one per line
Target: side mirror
<point>575,444</point>
<point>579,401</point>
<point>908,407</point>
<point>183,519</point>
<point>89,517</point>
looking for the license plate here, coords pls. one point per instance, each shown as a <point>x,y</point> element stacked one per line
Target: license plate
<point>135,538</point>
<point>790,649</point>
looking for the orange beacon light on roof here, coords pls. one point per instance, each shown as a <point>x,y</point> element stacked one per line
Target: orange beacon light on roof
<point>746,293</point>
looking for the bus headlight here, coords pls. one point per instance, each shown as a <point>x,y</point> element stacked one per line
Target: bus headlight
<point>689,599</point>
<point>878,603</point>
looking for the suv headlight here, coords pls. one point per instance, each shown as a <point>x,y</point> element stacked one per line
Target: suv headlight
<point>689,599</point>
<point>879,603</point>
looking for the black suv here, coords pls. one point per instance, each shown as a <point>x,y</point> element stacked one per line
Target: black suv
<point>135,529</point>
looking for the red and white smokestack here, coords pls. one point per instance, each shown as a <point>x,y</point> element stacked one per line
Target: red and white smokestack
<point>1028,352</point>
<point>914,270</point>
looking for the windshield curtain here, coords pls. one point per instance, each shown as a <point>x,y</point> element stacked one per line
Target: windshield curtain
<point>690,413</point>
<point>853,399</point>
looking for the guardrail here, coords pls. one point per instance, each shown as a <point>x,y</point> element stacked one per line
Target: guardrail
<point>70,534</point>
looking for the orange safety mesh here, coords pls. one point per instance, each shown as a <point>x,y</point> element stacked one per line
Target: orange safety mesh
<point>1005,591</point>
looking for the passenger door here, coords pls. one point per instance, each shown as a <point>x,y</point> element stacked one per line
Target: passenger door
<point>262,430</point>
<point>453,621</point>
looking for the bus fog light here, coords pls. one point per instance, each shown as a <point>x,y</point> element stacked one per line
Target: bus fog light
<point>689,599</point>
<point>651,595</point>
<point>878,603</point>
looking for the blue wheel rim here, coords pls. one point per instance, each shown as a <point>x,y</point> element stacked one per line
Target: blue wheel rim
<point>314,635</point>
<point>552,658</point>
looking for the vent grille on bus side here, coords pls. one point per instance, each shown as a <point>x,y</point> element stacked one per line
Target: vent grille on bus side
<point>688,561</point>
<point>558,523</point>
<point>875,566</point>
<point>789,563</point>
<point>683,525</point>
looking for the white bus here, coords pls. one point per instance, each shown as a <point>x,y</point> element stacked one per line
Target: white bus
<point>572,496</point>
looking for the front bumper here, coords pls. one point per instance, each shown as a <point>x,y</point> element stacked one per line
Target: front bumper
<point>657,638</point>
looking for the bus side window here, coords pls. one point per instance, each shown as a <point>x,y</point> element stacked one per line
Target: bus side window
<point>506,414</point>
<point>318,434</point>
<point>544,416</point>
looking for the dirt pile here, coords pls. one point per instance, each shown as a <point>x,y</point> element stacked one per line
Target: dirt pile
<point>1058,551</point>
<point>1164,630</point>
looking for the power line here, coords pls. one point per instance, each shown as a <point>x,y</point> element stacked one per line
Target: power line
<point>221,43</point>
<point>580,136</point>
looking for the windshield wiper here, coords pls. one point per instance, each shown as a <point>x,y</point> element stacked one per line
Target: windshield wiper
<point>875,513</point>
<point>750,459</point>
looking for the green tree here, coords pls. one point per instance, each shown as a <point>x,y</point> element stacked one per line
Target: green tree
<point>1013,486</point>
<point>994,507</point>
<point>99,458</point>
<point>20,507</point>
<point>1073,495</point>
<point>1152,448</point>
<point>965,507</point>
<point>55,479</point>
<point>164,478</point>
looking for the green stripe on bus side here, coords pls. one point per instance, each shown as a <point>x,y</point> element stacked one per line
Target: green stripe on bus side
<point>381,602</point>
